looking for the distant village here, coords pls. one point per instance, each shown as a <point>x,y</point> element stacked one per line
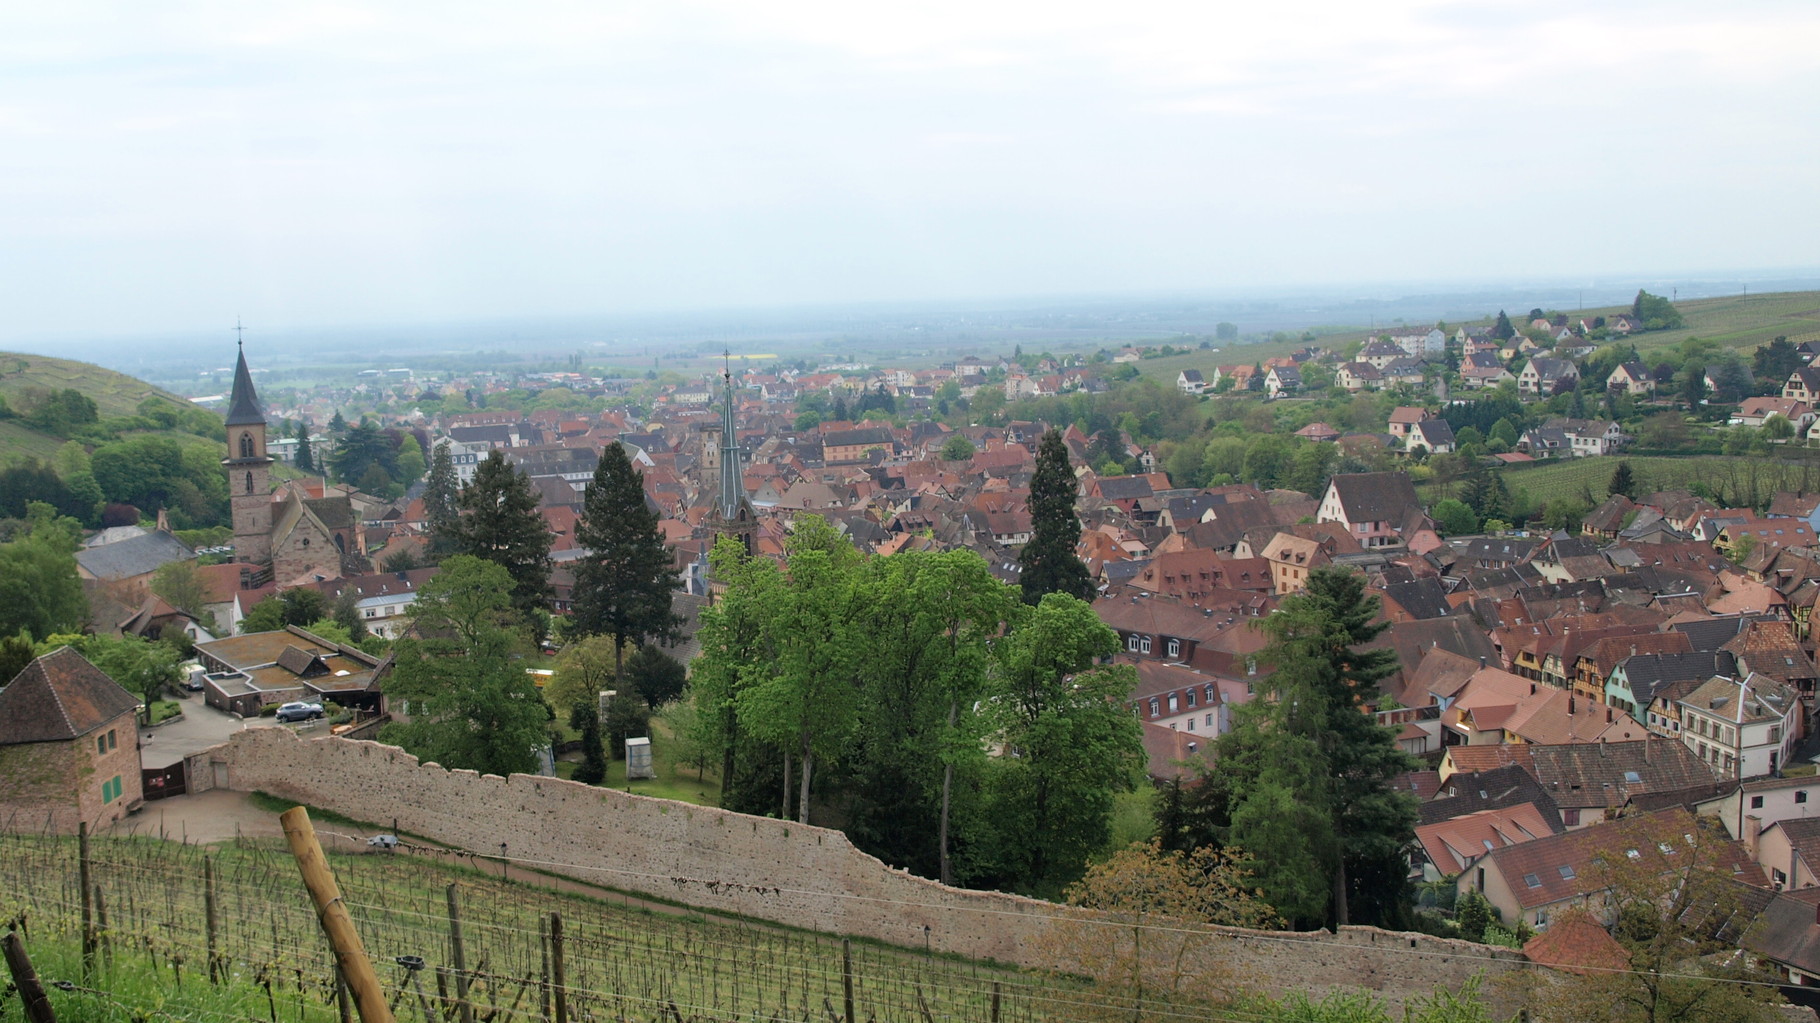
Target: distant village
<point>1656,656</point>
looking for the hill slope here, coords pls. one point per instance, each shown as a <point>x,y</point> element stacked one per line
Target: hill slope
<point>114,394</point>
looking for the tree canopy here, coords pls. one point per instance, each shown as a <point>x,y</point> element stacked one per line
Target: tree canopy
<point>623,587</point>
<point>1048,562</point>
<point>498,521</point>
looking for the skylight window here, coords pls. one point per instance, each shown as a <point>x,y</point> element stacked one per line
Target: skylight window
<point>1632,778</point>
<point>1567,872</point>
<point>1532,880</point>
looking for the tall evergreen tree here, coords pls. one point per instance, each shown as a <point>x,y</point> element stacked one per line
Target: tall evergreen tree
<point>306,460</point>
<point>1503,330</point>
<point>1048,561</point>
<point>1622,481</point>
<point>440,494</point>
<point>1307,773</point>
<point>623,587</point>
<point>499,522</point>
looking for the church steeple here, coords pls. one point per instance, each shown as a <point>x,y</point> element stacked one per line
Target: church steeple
<point>733,514</point>
<point>248,468</point>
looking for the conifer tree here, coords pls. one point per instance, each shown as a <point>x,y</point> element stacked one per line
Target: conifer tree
<point>306,461</point>
<point>1621,481</point>
<point>1048,561</point>
<point>499,522</point>
<point>439,496</point>
<point>1503,330</point>
<point>624,586</point>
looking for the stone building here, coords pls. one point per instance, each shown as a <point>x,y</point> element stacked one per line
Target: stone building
<point>69,747</point>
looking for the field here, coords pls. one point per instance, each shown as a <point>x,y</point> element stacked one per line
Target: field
<point>624,960</point>
<point>1750,481</point>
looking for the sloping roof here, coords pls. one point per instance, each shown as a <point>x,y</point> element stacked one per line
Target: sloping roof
<point>1454,843</point>
<point>1576,943</point>
<point>1788,930</point>
<point>301,662</point>
<point>1606,774</point>
<point>58,697</point>
<point>243,404</point>
<point>1375,496</point>
<point>135,557</point>
<point>1494,789</point>
<point>1561,867</point>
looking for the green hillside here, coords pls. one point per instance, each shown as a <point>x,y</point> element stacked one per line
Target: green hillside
<point>114,394</point>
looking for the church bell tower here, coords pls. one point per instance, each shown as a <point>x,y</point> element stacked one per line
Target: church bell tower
<point>249,470</point>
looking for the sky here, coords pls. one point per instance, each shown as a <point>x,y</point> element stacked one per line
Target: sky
<point>173,166</point>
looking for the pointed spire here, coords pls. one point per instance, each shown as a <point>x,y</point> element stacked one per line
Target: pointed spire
<point>243,407</point>
<point>732,481</point>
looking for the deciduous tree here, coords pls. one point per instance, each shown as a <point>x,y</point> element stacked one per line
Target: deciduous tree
<point>471,703</point>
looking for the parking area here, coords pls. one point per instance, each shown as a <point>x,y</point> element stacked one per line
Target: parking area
<point>200,727</point>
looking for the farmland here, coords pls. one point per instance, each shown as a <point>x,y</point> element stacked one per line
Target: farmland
<point>624,960</point>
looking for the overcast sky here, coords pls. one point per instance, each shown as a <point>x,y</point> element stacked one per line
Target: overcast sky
<point>172,165</point>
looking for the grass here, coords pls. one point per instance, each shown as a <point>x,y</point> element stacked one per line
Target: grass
<point>164,710</point>
<point>673,781</point>
<point>1583,478</point>
<point>114,394</point>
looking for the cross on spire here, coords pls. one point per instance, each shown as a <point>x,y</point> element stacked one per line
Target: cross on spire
<point>239,334</point>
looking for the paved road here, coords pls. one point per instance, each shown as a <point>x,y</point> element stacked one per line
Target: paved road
<point>200,727</point>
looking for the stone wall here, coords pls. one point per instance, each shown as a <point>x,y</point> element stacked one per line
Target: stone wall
<point>778,870</point>
<point>54,786</point>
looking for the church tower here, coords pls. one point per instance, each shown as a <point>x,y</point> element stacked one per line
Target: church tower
<point>732,515</point>
<point>249,470</point>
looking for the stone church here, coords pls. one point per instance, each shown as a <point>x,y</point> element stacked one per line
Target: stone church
<point>291,536</point>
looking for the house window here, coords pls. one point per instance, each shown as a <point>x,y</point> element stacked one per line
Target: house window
<point>1173,705</point>
<point>1191,724</point>
<point>1775,733</point>
<point>110,789</point>
<point>1175,648</point>
<point>1756,802</point>
<point>1155,707</point>
<point>246,445</point>
<point>1131,642</point>
<point>1800,795</point>
<point>100,744</point>
<point>1190,694</point>
<point>1210,721</point>
<point>1145,645</point>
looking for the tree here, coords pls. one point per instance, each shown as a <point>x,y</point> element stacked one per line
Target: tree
<point>347,613</point>
<point>306,460</point>
<point>584,670</point>
<point>440,495</point>
<point>499,522</point>
<point>1503,330</point>
<point>1048,561</point>
<point>1772,364</point>
<point>1731,381</point>
<point>140,666</point>
<point>1226,331</point>
<point>1308,771</point>
<point>957,449</point>
<point>39,590</point>
<point>471,703</point>
<point>1069,743</point>
<point>1671,901</point>
<point>1777,427</point>
<point>1655,312</point>
<point>360,449</point>
<point>1621,481</point>
<point>623,587</point>
<point>1664,430</point>
<point>628,716</point>
<point>180,586</point>
<point>1149,901</point>
<point>1692,388</point>
<point>656,676</point>
<point>1455,518</point>
<point>585,718</point>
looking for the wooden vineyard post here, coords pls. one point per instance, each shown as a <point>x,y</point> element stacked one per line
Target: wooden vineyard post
<point>31,992</point>
<point>558,980</point>
<point>208,910</point>
<point>350,954</point>
<point>88,906</point>
<point>846,976</point>
<point>461,958</point>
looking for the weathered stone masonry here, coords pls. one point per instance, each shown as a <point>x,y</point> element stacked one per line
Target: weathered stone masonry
<point>777,870</point>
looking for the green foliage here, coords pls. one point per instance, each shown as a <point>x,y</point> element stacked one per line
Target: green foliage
<point>1622,481</point>
<point>40,593</point>
<point>1473,914</point>
<point>1048,561</point>
<point>585,718</point>
<point>140,666</point>
<point>957,449</point>
<point>471,703</point>
<point>1454,517</point>
<point>1070,741</point>
<point>1655,312</point>
<point>623,587</point>
<point>180,586</point>
<point>628,717</point>
<point>656,676</point>
<point>499,522</point>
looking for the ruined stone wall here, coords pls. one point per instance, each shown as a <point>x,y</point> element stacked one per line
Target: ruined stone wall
<point>778,870</point>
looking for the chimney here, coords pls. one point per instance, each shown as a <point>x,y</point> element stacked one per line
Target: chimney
<point>1481,662</point>
<point>1532,689</point>
<point>1570,705</point>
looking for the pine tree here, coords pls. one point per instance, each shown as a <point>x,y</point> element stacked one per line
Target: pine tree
<point>1621,481</point>
<point>585,718</point>
<point>306,461</point>
<point>439,499</point>
<point>623,587</point>
<point>1308,771</point>
<point>1503,331</point>
<point>1048,561</point>
<point>499,522</point>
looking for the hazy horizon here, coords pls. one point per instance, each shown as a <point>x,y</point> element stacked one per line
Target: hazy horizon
<point>319,167</point>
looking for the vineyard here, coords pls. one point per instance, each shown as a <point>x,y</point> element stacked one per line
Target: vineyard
<point>157,903</point>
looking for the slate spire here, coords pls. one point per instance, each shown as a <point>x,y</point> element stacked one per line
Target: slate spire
<point>243,407</point>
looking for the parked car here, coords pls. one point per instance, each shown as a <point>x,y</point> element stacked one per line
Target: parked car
<point>299,711</point>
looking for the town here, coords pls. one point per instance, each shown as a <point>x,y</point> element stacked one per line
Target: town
<point>1002,617</point>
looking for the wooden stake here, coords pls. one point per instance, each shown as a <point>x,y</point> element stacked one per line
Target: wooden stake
<point>995,1001</point>
<point>208,909</point>
<point>88,906</point>
<point>31,992</point>
<point>105,939</point>
<point>350,954</point>
<point>846,977</point>
<point>558,981</point>
<point>461,958</point>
